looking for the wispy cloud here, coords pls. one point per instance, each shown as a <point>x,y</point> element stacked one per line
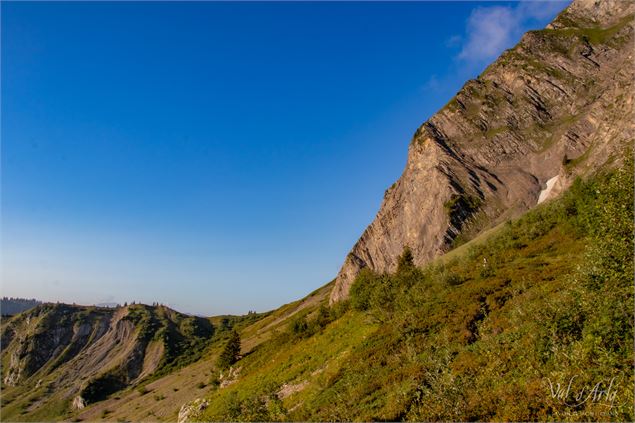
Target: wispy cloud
<point>492,29</point>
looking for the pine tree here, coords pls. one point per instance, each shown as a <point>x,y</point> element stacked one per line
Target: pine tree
<point>230,353</point>
<point>406,260</point>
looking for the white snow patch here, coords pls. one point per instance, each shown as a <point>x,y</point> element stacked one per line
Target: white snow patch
<point>544,194</point>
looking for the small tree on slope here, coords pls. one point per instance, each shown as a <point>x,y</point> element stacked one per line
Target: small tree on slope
<point>230,353</point>
<point>406,260</point>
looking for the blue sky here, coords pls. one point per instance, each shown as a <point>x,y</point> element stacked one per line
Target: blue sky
<point>217,157</point>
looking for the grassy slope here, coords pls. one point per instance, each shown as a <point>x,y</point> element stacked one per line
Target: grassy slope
<point>476,336</point>
<point>165,395</point>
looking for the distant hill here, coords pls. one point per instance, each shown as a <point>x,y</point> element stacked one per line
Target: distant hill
<point>10,306</point>
<point>86,353</point>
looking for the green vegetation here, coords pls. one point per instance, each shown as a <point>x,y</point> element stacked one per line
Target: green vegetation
<point>496,331</point>
<point>591,33</point>
<point>231,351</point>
<point>460,208</point>
<point>99,388</point>
<point>184,338</point>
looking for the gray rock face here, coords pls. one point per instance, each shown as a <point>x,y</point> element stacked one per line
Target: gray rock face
<point>560,103</point>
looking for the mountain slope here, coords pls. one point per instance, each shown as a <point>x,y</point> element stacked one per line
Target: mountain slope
<point>558,105</point>
<point>494,333</point>
<point>66,356</point>
<point>493,330</point>
<point>167,394</point>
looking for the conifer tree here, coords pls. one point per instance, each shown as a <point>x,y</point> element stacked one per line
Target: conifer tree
<point>406,260</point>
<point>230,353</point>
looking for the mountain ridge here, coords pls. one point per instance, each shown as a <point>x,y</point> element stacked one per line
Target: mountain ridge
<point>538,112</point>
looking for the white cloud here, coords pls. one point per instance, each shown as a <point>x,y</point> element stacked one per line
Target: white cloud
<point>489,31</point>
<point>492,29</point>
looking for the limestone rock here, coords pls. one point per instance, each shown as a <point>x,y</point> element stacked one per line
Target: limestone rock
<point>560,103</point>
<point>230,377</point>
<point>190,410</point>
<point>78,403</point>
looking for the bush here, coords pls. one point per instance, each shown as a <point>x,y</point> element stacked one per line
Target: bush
<point>299,326</point>
<point>362,289</point>
<point>323,317</point>
<point>214,382</point>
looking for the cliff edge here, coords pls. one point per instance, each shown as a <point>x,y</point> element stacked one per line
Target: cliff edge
<point>556,106</point>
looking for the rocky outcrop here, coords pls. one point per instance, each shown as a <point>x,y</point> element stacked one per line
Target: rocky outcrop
<point>560,103</point>
<point>47,335</point>
<point>289,389</point>
<point>78,403</point>
<point>191,410</point>
<point>230,377</point>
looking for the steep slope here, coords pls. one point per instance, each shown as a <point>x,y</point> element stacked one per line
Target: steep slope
<point>476,335</point>
<point>495,333</point>
<point>558,105</point>
<point>69,356</point>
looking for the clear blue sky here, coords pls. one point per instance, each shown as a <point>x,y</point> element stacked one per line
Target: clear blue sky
<point>216,157</point>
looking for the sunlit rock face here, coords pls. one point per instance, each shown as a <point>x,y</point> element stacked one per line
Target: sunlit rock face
<point>560,103</point>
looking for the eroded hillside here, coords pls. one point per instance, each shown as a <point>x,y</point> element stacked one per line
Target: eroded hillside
<point>67,357</point>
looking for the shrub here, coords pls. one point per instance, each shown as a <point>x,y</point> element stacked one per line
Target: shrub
<point>361,289</point>
<point>214,382</point>
<point>299,326</point>
<point>102,386</point>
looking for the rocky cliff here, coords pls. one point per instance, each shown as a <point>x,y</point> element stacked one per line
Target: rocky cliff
<point>556,106</point>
